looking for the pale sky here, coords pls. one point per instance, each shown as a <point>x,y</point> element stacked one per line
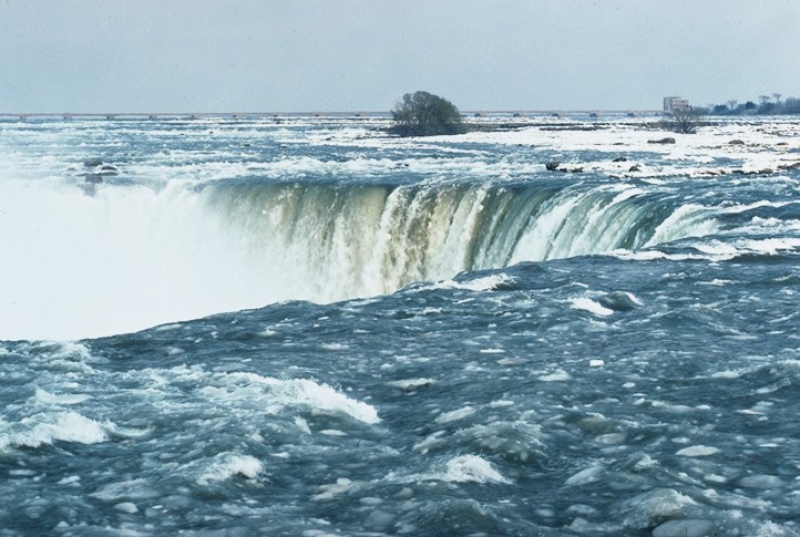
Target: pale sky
<point>362,55</point>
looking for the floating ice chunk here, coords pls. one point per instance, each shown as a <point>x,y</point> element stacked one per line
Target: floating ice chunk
<point>328,492</point>
<point>456,415</point>
<point>761,481</point>
<point>134,489</point>
<point>658,504</point>
<point>697,451</point>
<point>684,528</point>
<point>411,384</point>
<point>511,439</point>
<point>715,478</point>
<point>596,363</point>
<point>557,376</point>
<point>70,480</point>
<point>585,476</point>
<point>587,304</point>
<point>729,374</point>
<point>335,346</point>
<point>302,425</point>
<point>611,438</point>
<point>58,399</point>
<point>127,507</point>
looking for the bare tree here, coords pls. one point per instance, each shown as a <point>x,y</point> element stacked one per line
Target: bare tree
<point>684,121</point>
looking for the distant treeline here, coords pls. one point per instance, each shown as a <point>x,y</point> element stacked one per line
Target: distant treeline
<point>766,106</point>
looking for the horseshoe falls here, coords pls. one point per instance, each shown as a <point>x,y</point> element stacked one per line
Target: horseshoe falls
<point>304,326</point>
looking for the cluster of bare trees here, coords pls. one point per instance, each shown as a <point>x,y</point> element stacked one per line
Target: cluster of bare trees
<point>767,105</point>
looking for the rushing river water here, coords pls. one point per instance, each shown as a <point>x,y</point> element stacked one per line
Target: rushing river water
<point>306,327</point>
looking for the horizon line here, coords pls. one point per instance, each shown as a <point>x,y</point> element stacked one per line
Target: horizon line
<point>321,113</point>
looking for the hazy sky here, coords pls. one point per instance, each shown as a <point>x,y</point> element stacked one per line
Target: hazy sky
<point>362,55</point>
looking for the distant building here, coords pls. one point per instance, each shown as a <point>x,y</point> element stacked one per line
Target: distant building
<point>676,104</point>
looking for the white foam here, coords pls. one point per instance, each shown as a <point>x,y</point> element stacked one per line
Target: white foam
<point>587,304</point>
<point>47,428</point>
<point>275,394</point>
<point>231,465</point>
<point>323,398</point>
<point>471,468</point>
<point>486,283</point>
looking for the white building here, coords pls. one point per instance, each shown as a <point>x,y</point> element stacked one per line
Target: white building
<point>673,104</point>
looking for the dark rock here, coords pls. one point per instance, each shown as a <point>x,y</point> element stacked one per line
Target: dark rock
<point>736,142</point>
<point>575,170</point>
<point>92,163</point>
<point>620,159</point>
<point>634,168</point>
<point>94,178</point>
<point>795,166</point>
<point>552,166</point>
<point>766,171</point>
<point>667,140</point>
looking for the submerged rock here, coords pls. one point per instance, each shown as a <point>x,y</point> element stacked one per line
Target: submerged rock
<point>552,166</point>
<point>667,140</point>
<point>94,178</point>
